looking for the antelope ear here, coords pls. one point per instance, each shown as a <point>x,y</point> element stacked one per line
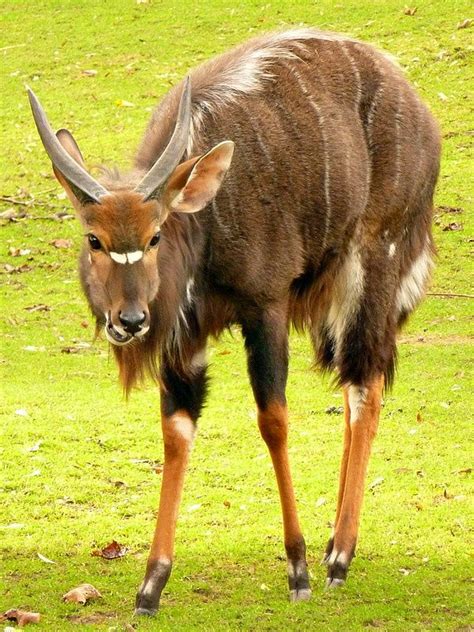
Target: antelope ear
<point>195,182</point>
<point>67,141</point>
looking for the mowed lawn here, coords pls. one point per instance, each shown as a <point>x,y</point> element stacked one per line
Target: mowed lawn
<point>80,467</point>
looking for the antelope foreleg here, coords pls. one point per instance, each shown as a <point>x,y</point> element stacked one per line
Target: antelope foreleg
<point>273,425</point>
<point>178,434</point>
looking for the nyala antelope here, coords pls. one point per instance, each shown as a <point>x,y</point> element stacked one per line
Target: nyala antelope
<point>286,182</point>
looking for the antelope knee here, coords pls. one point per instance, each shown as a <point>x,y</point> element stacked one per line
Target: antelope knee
<point>273,424</point>
<point>178,434</point>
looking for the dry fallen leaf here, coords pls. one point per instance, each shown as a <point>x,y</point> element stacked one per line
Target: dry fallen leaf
<point>18,252</point>
<point>405,571</point>
<point>112,551</point>
<point>45,559</point>
<point>41,307</point>
<point>89,73</point>
<point>35,447</point>
<point>61,243</point>
<point>21,617</point>
<point>124,104</point>
<point>320,502</point>
<point>465,24</point>
<point>453,226</point>
<point>76,348</point>
<point>378,481</point>
<point>410,10</point>
<point>82,594</point>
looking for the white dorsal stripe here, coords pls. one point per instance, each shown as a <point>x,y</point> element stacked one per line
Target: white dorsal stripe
<point>124,257</point>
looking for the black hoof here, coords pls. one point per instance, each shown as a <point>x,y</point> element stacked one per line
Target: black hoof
<point>300,594</point>
<point>298,580</point>
<point>149,593</point>
<point>147,612</point>
<point>338,565</point>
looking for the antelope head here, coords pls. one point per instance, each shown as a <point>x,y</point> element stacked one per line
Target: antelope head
<point>119,264</point>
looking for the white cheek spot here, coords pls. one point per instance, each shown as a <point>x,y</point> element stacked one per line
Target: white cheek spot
<point>124,257</point>
<point>184,426</point>
<point>357,396</point>
<point>391,249</point>
<point>118,257</point>
<point>134,256</point>
<point>89,258</point>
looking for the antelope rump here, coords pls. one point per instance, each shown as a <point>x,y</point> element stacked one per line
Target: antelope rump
<point>286,182</point>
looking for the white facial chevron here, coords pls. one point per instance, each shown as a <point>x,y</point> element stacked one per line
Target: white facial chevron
<point>126,257</point>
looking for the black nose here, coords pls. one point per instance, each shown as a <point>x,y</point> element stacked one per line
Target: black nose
<point>132,321</point>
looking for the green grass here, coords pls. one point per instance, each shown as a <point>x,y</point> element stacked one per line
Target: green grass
<point>63,499</point>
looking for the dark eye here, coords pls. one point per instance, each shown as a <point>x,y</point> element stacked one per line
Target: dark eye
<point>94,242</point>
<point>154,240</point>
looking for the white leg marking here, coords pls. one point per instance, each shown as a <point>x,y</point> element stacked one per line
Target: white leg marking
<point>413,283</point>
<point>357,396</point>
<point>184,426</point>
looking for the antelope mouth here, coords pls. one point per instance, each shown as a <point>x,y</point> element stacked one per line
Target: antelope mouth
<point>115,335</point>
<point>118,336</point>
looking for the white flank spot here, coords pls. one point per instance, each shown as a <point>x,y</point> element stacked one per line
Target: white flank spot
<point>134,256</point>
<point>413,283</point>
<point>347,291</point>
<point>391,250</point>
<point>357,396</point>
<point>184,427</point>
<point>118,258</point>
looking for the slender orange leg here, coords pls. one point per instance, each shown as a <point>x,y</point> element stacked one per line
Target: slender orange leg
<point>178,432</point>
<point>363,405</point>
<point>273,425</point>
<point>343,469</point>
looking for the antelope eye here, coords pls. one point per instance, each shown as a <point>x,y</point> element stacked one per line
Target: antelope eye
<point>94,243</point>
<point>154,240</point>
